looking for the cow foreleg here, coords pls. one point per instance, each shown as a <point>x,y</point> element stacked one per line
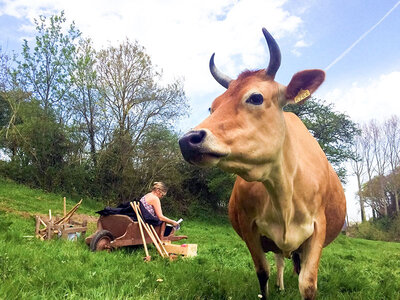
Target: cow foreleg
<point>309,257</point>
<point>260,262</point>
<point>280,265</point>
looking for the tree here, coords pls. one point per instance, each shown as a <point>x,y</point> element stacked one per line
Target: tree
<point>357,165</point>
<point>5,109</point>
<point>380,149</point>
<point>40,147</point>
<point>134,101</point>
<point>334,131</point>
<point>86,102</point>
<point>392,135</point>
<point>11,97</point>
<point>45,70</point>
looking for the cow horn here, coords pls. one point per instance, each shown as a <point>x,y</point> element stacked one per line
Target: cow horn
<point>274,53</point>
<point>221,78</point>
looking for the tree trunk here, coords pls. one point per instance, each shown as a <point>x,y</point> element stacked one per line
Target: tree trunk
<point>362,207</point>
<point>385,209</point>
<point>92,146</point>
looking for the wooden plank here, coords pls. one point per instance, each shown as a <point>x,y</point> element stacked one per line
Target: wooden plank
<point>188,250</point>
<point>65,206</point>
<point>73,229</point>
<point>50,230</point>
<point>136,208</point>
<point>158,240</point>
<point>69,214</point>
<point>43,223</point>
<point>37,227</point>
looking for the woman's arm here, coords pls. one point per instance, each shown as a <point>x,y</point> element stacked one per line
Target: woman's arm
<point>157,209</point>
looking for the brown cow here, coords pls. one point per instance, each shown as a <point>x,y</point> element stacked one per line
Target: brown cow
<point>287,198</point>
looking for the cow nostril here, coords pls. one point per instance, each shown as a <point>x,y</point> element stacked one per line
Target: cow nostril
<point>197,137</point>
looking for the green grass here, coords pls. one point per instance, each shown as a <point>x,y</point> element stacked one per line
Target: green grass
<point>59,269</point>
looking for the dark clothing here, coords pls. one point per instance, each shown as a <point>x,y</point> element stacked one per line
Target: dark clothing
<point>127,210</point>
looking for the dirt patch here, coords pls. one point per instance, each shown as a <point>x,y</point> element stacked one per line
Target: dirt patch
<point>76,217</point>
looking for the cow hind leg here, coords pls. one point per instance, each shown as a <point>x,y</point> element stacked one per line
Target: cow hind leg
<point>296,262</point>
<point>280,265</point>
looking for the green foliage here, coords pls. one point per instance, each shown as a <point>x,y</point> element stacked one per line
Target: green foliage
<point>368,230</point>
<point>40,148</point>
<point>89,122</point>
<point>383,229</point>
<point>87,105</point>
<point>349,268</point>
<point>220,185</point>
<point>209,187</point>
<point>334,131</point>
<point>45,70</point>
<point>5,111</point>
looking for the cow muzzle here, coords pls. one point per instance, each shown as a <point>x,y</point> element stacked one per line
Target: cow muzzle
<point>200,147</point>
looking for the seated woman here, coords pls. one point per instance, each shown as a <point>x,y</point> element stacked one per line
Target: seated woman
<point>152,203</point>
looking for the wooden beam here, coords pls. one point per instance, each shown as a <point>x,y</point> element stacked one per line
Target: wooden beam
<point>148,230</point>
<point>141,233</point>
<point>158,240</point>
<point>188,250</point>
<point>65,206</point>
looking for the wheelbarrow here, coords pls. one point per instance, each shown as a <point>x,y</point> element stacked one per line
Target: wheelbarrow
<point>114,231</point>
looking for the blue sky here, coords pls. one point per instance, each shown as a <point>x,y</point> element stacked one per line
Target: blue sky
<point>180,36</point>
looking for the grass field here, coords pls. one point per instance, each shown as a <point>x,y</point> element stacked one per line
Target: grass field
<point>59,269</point>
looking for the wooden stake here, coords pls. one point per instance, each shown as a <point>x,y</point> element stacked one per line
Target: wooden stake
<point>146,227</point>
<point>151,228</point>
<point>37,225</point>
<point>41,221</point>
<point>141,232</point>
<point>65,207</point>
<point>159,240</point>
<point>49,214</point>
<point>69,214</point>
<point>50,230</point>
<point>153,239</point>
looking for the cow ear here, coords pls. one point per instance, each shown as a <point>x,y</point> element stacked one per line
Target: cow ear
<point>302,85</point>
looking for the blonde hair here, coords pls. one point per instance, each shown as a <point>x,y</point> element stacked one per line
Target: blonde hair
<point>158,185</point>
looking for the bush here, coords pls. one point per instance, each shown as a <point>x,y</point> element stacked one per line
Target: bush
<point>368,230</point>
<point>384,229</point>
<point>394,229</point>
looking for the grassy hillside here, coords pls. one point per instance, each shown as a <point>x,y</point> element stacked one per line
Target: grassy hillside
<point>58,269</point>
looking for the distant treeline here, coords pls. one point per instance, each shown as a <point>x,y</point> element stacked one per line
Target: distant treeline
<point>376,164</point>
<point>96,123</point>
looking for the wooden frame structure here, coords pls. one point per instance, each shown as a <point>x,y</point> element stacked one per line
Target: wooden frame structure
<point>63,227</point>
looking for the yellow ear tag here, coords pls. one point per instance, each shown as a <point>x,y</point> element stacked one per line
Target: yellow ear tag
<point>301,95</point>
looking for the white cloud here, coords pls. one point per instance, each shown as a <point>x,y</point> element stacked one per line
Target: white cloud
<point>180,36</point>
<point>299,44</point>
<point>374,98</point>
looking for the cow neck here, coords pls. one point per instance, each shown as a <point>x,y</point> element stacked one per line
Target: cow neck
<point>280,181</point>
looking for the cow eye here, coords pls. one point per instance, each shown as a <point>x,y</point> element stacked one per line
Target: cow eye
<point>255,99</point>
<point>209,110</point>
